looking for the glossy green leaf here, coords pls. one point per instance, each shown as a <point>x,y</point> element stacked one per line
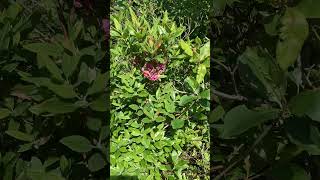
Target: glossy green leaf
<point>240,119</point>
<point>77,143</point>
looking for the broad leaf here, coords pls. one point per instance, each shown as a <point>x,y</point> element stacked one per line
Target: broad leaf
<point>310,8</point>
<point>69,64</point>
<point>99,84</point>
<point>77,143</point>
<point>177,123</point>
<point>306,103</point>
<point>45,48</point>
<point>185,99</point>
<point>303,134</point>
<point>186,47</point>
<point>96,162</point>
<point>45,61</point>
<point>54,106</point>
<point>20,135</point>
<point>293,33</point>
<point>263,75</point>
<point>240,119</point>
<point>201,73</point>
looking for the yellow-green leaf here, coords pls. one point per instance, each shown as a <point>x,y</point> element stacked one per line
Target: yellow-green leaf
<point>186,47</point>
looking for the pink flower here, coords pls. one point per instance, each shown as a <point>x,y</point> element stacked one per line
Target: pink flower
<point>152,70</point>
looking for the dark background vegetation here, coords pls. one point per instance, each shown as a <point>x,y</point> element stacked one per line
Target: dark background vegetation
<point>246,145</point>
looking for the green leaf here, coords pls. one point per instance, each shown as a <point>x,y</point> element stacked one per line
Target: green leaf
<point>69,64</point>
<point>45,61</point>
<point>86,74</point>
<point>148,112</point>
<point>25,147</point>
<point>240,119</point>
<point>54,106</point>
<point>186,47</point>
<point>271,28</point>
<point>96,162</point>
<point>194,85</point>
<point>4,113</point>
<point>261,73</point>
<point>169,106</point>
<point>201,73</point>
<point>216,114</point>
<point>293,33</point>
<point>306,103</point>
<point>94,124</point>
<point>134,107</point>
<point>99,84</point>
<point>77,27</point>
<point>310,8</point>
<point>116,23</point>
<point>205,94</point>
<point>63,90</point>
<point>64,164</point>
<point>13,10</point>
<point>303,134</point>
<point>45,48</point>
<point>100,104</point>
<point>185,99</point>
<point>77,143</point>
<point>20,135</point>
<point>134,17</point>
<point>177,123</point>
<point>204,51</point>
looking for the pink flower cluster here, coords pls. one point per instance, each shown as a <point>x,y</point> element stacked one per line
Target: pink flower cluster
<point>153,70</point>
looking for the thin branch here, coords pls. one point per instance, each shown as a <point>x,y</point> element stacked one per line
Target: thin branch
<point>227,96</point>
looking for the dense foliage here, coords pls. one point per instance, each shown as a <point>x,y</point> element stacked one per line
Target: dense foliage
<point>52,91</point>
<point>160,96</point>
<point>265,61</point>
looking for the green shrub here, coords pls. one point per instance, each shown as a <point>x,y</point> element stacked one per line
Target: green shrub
<point>159,127</point>
<point>53,99</point>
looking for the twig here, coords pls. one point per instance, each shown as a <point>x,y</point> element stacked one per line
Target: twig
<point>219,63</point>
<point>230,167</point>
<point>233,79</point>
<point>227,96</point>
